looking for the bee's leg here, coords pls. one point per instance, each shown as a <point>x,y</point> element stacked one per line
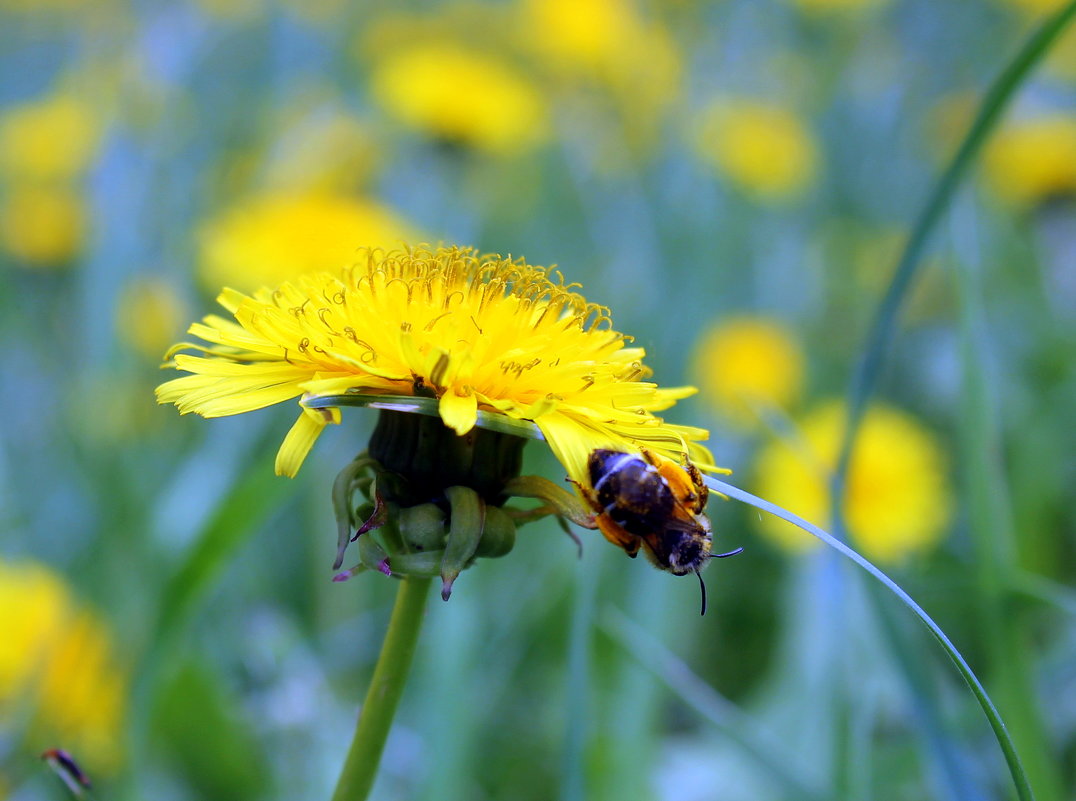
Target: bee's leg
<point>617,535</point>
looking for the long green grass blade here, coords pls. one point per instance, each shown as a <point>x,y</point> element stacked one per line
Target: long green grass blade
<point>1019,777</point>
<point>995,102</point>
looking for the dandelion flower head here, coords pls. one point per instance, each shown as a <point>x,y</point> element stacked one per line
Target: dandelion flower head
<point>898,501</point>
<point>475,332</point>
<point>57,667</point>
<point>745,364</point>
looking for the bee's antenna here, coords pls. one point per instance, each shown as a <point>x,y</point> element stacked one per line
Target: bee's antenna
<point>702,589</point>
<point>728,553</point>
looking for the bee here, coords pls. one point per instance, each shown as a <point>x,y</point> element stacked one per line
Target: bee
<point>645,501</point>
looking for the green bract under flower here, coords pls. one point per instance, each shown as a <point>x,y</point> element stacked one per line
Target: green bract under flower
<point>473,332</point>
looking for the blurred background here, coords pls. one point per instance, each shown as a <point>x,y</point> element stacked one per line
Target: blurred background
<point>735,179</point>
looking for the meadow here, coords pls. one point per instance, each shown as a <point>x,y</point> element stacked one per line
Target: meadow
<point>812,211</point>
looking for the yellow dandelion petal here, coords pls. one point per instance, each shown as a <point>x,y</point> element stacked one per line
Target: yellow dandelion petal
<point>301,438</point>
<point>476,332</point>
<point>459,410</point>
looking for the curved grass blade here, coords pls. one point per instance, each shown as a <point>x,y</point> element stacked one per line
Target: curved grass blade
<point>1012,759</point>
<point>882,331</point>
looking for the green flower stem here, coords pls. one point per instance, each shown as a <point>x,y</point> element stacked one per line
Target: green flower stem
<point>1001,733</point>
<point>386,687</point>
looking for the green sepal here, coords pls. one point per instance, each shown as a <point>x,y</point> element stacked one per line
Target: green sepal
<point>498,534</point>
<point>562,503</point>
<point>468,514</point>
<point>422,527</point>
<point>424,564</point>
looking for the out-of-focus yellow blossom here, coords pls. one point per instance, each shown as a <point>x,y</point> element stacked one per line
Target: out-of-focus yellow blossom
<point>837,6</point>
<point>42,225</point>
<point>50,139</point>
<point>899,500</point>
<point>764,148</point>
<point>462,95</point>
<point>745,364</point>
<point>1033,159</point>
<point>149,315</point>
<point>608,44</point>
<point>57,670</point>
<point>276,237</point>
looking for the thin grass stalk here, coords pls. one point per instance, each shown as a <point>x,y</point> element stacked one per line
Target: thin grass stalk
<point>1001,733</point>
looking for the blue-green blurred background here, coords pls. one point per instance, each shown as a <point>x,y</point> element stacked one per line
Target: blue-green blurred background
<point>166,609</point>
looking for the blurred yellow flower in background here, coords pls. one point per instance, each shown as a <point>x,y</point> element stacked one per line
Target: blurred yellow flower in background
<point>1033,159</point>
<point>766,149</point>
<point>603,40</point>
<point>57,669</point>
<point>53,138</point>
<point>461,95</point>
<point>275,237</point>
<point>149,315</point>
<point>609,46</point>
<point>899,499</point>
<point>476,332</point>
<point>745,364</point>
<point>43,225</point>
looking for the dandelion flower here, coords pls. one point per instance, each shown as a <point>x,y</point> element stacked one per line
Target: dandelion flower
<point>1033,159</point>
<point>898,500</point>
<point>475,332</point>
<point>57,667</point>
<point>745,364</point>
<point>271,238</point>
<point>461,95</point>
<point>764,148</point>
